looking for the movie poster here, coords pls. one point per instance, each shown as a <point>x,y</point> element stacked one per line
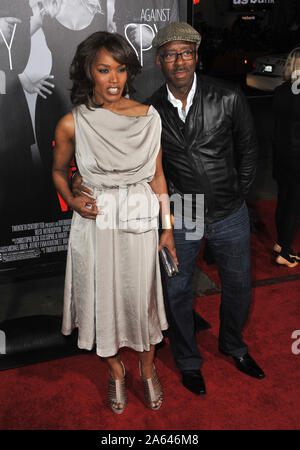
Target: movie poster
<point>38,39</point>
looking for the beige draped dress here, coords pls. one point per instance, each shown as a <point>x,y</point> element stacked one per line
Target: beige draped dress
<point>113,291</point>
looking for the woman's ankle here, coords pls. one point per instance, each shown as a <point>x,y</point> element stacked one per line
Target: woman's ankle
<point>116,369</point>
<point>147,370</point>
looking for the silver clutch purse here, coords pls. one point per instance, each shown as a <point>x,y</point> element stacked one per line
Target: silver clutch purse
<point>168,262</point>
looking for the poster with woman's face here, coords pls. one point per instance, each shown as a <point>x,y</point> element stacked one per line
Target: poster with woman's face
<point>38,39</point>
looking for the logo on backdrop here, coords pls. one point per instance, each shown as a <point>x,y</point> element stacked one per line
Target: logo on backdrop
<point>296,344</point>
<point>2,343</point>
<point>141,34</point>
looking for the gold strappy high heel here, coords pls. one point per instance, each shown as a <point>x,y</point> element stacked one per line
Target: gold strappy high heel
<point>152,389</point>
<point>117,396</point>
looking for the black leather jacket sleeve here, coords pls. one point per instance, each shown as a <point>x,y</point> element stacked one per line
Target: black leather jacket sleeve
<point>245,142</point>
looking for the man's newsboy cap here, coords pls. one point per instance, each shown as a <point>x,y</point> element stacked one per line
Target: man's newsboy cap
<point>176,31</point>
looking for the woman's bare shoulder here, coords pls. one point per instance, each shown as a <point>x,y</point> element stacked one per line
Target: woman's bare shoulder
<point>67,121</point>
<point>66,125</point>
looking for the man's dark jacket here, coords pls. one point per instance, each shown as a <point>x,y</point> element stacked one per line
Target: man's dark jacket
<point>214,152</point>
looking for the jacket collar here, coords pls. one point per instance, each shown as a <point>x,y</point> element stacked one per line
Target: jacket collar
<point>194,120</point>
<point>178,103</point>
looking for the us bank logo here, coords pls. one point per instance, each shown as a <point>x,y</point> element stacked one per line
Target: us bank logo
<point>2,343</point>
<point>253,2</point>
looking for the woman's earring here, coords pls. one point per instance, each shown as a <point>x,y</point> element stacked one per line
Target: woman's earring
<point>126,90</point>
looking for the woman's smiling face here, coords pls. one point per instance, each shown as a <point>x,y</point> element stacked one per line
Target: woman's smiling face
<point>109,78</point>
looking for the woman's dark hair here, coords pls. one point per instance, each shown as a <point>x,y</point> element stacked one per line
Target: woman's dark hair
<point>80,69</point>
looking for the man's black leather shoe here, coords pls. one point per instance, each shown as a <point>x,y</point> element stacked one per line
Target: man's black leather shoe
<point>247,365</point>
<point>193,381</point>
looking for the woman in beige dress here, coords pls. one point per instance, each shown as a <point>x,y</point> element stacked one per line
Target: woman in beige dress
<point>113,291</point>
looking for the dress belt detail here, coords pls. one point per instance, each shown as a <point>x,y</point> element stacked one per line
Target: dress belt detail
<point>132,208</point>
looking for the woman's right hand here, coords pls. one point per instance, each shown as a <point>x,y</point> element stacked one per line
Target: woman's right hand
<point>85,206</point>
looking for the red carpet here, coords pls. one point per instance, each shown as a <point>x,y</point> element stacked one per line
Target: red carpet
<point>70,393</point>
<point>263,257</point>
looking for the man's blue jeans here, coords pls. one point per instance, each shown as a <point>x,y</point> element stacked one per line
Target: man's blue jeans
<point>229,241</point>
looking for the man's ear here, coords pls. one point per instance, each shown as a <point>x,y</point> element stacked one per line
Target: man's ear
<point>158,61</point>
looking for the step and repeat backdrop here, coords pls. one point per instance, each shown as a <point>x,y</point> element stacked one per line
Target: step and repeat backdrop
<point>38,39</point>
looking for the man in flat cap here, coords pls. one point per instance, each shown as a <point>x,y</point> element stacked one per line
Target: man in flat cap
<point>209,147</point>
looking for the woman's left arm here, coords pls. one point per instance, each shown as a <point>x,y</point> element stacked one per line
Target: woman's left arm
<point>159,187</point>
